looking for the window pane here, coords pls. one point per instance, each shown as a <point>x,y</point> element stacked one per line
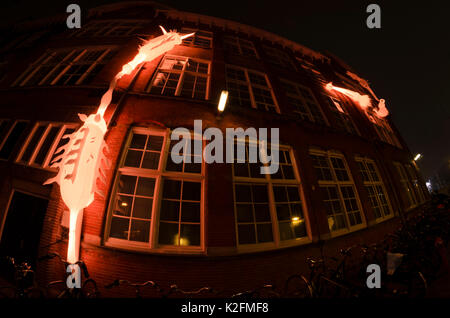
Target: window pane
<point>172,189</point>
<point>264,233</point>
<point>244,213</point>
<point>151,160</point>
<point>246,234</point>
<point>142,208</point>
<point>191,191</point>
<point>127,184</point>
<point>133,158</point>
<point>168,233</point>
<point>145,186</point>
<point>170,210</point>
<point>119,228</point>
<point>49,139</point>
<point>32,144</point>
<point>123,205</point>
<point>140,230</point>
<point>12,140</point>
<point>190,234</point>
<point>190,212</point>
<point>138,141</point>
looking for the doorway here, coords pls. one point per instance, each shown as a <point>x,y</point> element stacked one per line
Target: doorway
<point>23,226</point>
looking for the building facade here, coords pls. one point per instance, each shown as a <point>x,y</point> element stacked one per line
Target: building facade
<point>345,175</point>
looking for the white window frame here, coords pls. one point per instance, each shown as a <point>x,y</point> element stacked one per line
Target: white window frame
<point>182,74</point>
<point>71,56</point>
<point>371,182</point>
<point>269,182</point>
<point>335,182</point>
<point>48,126</point>
<point>152,246</point>
<point>250,86</point>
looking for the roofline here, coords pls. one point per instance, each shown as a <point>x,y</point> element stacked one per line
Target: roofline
<point>240,27</point>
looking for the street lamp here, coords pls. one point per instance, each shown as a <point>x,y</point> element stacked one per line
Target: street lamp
<point>418,157</point>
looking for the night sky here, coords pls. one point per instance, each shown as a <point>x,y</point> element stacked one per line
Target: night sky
<point>407,61</point>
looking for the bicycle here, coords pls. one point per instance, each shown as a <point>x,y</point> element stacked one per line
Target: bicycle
<point>136,286</point>
<point>59,288</point>
<point>265,291</point>
<point>25,285</point>
<point>173,290</point>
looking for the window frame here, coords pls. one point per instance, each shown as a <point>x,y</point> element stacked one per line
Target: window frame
<point>71,57</point>
<point>283,59</point>
<point>182,73</point>
<point>237,41</point>
<point>250,85</point>
<point>159,175</point>
<point>328,154</point>
<point>342,114</point>
<point>300,96</point>
<point>8,133</point>
<point>405,182</point>
<point>269,182</point>
<point>380,182</point>
<point>107,26</point>
<point>51,152</point>
<point>186,30</point>
<point>384,131</point>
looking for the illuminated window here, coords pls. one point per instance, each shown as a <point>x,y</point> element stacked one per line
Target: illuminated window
<point>181,76</point>
<point>268,208</point>
<point>66,67</point>
<point>407,185</point>
<point>109,29</point>
<point>303,102</point>
<point>249,88</point>
<point>375,188</point>
<point>156,204</point>
<point>239,46</point>
<point>341,116</point>
<point>12,133</point>
<point>279,57</point>
<point>44,140</point>
<point>201,38</point>
<point>338,191</point>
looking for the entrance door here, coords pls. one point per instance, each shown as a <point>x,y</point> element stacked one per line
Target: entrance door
<point>23,226</point>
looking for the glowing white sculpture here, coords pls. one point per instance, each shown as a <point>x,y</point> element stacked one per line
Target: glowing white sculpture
<point>362,100</point>
<point>80,161</point>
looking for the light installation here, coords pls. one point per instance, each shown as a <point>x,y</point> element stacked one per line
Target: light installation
<point>81,160</point>
<point>363,100</point>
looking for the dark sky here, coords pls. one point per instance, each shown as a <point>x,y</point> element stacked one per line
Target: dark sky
<point>407,61</point>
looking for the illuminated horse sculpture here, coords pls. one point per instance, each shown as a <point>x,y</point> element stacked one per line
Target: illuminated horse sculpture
<point>80,160</point>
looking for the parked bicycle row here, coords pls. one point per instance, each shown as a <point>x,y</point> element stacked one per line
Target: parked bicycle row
<point>407,260</point>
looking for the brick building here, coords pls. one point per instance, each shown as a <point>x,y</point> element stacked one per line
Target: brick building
<point>346,176</point>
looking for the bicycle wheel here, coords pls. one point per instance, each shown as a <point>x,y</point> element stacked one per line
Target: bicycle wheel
<point>297,286</point>
<point>89,289</point>
<point>57,289</point>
